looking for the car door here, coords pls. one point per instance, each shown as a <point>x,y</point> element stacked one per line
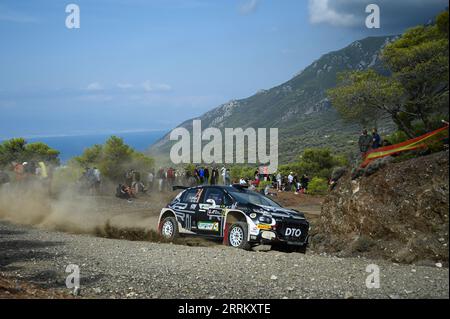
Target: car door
<point>211,212</point>
<point>186,208</point>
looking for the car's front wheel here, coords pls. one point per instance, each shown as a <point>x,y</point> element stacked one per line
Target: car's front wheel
<point>237,236</point>
<point>169,228</point>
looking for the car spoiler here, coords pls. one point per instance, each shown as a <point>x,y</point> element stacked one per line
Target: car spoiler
<point>176,188</point>
<point>239,186</point>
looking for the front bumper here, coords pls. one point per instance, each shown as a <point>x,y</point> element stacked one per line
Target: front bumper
<point>269,237</point>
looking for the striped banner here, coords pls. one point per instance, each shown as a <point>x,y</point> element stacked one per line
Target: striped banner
<point>413,144</point>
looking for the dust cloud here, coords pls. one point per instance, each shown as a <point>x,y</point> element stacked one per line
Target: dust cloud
<point>31,204</point>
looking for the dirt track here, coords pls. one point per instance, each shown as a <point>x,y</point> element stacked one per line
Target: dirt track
<point>112,268</point>
<point>131,269</point>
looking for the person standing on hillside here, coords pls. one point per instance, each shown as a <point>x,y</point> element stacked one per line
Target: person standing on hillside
<point>304,181</point>
<point>160,177</point>
<point>290,181</point>
<point>170,178</point>
<point>150,179</point>
<point>214,176</point>
<point>227,177</point>
<point>224,173</point>
<point>279,181</point>
<point>365,142</point>
<point>376,139</point>
<point>201,175</point>
<point>296,185</point>
<point>206,175</point>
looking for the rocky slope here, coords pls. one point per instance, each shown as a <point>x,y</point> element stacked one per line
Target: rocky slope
<point>299,107</point>
<point>399,213</point>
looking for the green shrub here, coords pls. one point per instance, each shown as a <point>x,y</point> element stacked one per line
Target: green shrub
<point>318,186</point>
<point>263,184</point>
<point>114,158</point>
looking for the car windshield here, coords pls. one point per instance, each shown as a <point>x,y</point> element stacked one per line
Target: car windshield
<point>253,198</point>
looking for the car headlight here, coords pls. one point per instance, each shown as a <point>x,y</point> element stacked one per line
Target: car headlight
<point>265,219</point>
<point>253,215</point>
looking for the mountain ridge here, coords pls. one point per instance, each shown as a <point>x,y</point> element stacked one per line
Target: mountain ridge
<point>299,107</point>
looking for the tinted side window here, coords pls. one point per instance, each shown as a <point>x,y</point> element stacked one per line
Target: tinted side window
<point>215,194</point>
<point>192,196</point>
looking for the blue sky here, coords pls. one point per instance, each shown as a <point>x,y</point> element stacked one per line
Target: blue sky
<point>146,65</point>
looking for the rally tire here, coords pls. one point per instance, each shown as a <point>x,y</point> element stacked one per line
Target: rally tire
<point>238,236</point>
<point>169,228</point>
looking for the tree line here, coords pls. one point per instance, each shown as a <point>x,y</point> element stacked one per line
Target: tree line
<point>415,93</point>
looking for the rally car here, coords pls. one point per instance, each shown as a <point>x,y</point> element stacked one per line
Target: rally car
<point>240,217</point>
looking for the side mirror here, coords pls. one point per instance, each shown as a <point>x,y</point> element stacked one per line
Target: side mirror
<point>212,202</point>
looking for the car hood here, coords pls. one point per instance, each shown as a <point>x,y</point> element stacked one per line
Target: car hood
<point>279,212</point>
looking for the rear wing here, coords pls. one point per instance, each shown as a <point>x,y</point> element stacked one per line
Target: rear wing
<point>240,186</point>
<point>176,188</point>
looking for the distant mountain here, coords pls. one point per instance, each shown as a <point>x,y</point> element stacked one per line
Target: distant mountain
<point>299,107</point>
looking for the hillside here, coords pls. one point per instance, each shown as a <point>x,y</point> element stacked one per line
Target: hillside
<point>399,213</point>
<point>299,107</point>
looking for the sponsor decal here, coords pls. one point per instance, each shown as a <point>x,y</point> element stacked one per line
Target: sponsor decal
<point>208,226</point>
<point>215,212</point>
<point>292,232</point>
<point>264,226</point>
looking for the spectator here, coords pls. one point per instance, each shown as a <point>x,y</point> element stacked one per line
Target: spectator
<point>160,178</point>
<point>129,175</point>
<point>150,179</point>
<point>365,142</point>
<point>304,181</point>
<point>376,139</point>
<point>170,178</point>
<point>125,192</point>
<point>227,177</point>
<point>201,175</point>
<point>279,181</point>
<point>296,185</point>
<point>290,181</point>
<point>224,175</point>
<point>206,173</point>
<point>214,176</point>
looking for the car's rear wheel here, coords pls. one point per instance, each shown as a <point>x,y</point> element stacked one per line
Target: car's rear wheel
<point>169,228</point>
<point>237,236</point>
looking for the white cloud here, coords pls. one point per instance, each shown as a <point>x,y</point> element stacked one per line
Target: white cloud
<point>249,6</point>
<point>158,87</point>
<point>125,86</point>
<point>95,86</point>
<point>96,98</point>
<point>395,15</point>
<point>8,15</point>
<point>320,11</point>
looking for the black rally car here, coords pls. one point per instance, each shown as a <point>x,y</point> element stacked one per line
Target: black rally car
<point>241,217</point>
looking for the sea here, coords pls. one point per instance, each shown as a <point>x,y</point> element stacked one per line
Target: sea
<point>71,146</point>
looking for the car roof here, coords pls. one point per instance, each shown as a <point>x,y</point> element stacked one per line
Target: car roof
<point>233,188</point>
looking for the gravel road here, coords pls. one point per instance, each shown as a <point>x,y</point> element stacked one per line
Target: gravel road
<point>126,269</point>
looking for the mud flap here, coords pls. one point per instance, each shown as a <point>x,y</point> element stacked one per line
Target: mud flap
<point>225,234</point>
